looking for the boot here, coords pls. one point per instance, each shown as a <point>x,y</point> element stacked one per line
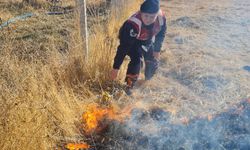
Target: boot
<point>130,84</point>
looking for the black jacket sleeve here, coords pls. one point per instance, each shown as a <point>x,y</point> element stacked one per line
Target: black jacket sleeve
<point>159,38</point>
<point>127,36</point>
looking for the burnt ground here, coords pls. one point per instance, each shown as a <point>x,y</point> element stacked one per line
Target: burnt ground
<point>152,130</point>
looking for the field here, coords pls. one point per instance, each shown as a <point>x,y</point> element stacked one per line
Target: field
<point>46,86</point>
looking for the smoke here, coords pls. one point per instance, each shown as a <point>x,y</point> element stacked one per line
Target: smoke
<point>152,130</point>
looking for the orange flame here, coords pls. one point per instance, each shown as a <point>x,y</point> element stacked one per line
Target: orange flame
<point>94,115</point>
<point>72,146</point>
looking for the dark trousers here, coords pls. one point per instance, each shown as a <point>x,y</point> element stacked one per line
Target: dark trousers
<point>136,63</point>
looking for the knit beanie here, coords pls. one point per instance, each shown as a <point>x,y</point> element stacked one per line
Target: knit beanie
<point>150,6</point>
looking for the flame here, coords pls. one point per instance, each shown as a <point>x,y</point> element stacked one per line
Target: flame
<point>72,146</point>
<point>94,115</point>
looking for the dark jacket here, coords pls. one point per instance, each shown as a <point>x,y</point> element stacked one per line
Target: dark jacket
<point>129,42</point>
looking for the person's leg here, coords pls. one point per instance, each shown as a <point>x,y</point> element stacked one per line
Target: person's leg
<point>133,71</point>
<point>134,67</point>
<point>151,64</point>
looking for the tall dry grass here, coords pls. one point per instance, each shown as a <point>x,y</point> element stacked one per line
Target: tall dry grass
<point>44,81</point>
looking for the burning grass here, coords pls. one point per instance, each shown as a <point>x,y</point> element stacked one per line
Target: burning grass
<point>152,128</point>
<point>72,146</point>
<point>94,115</point>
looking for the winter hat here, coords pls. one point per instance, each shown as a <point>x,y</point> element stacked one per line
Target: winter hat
<point>150,6</point>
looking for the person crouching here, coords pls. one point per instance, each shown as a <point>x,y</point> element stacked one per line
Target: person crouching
<point>141,36</point>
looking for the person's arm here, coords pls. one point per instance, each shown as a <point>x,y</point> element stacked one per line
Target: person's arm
<point>159,38</point>
<point>127,36</point>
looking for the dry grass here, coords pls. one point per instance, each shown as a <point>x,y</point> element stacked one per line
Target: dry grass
<point>44,83</point>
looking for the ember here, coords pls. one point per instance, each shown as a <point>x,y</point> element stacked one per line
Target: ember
<point>72,146</point>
